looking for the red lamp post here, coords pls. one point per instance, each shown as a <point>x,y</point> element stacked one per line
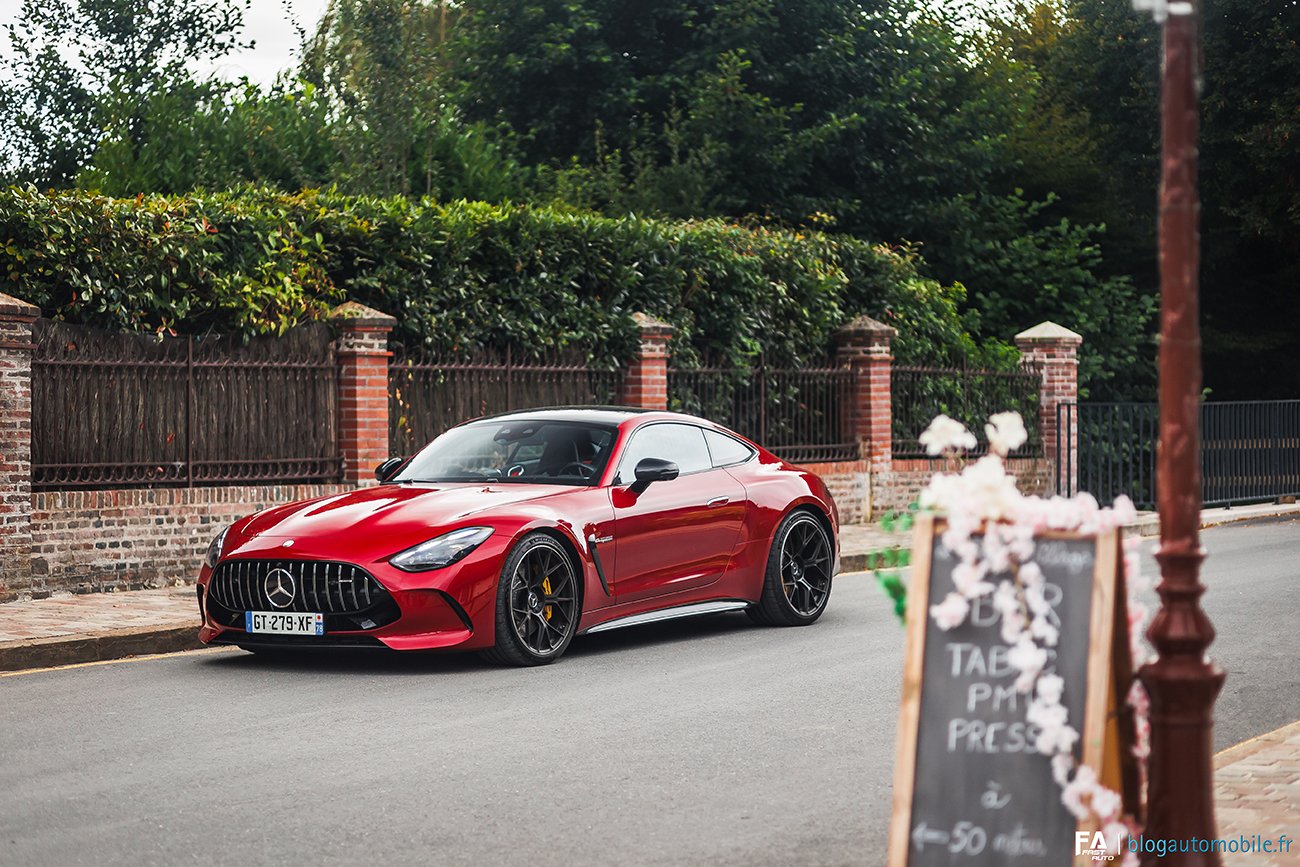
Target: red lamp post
<point>1182,683</point>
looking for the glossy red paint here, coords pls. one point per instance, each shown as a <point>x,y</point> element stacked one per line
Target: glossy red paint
<point>701,537</point>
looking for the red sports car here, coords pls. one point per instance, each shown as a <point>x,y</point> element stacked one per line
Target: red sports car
<point>513,534</point>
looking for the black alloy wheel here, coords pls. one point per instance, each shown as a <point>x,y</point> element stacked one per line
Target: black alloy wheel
<point>538,603</point>
<point>798,580</point>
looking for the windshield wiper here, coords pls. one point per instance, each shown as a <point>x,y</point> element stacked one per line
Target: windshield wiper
<point>479,478</point>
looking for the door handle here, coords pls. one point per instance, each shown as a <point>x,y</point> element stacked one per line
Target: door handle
<point>718,501</point>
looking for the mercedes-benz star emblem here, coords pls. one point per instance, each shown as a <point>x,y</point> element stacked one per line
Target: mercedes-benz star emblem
<point>280,588</point>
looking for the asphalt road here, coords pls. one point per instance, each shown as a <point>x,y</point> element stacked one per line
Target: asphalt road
<point>701,742</point>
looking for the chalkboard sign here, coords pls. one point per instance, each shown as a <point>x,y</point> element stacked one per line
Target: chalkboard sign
<point>970,788</point>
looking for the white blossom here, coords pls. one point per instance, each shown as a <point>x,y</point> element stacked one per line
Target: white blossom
<point>1051,687</point>
<point>1105,803</point>
<point>1074,792</point>
<point>1007,604</point>
<point>988,484</point>
<point>951,612</point>
<point>969,579</point>
<point>1006,432</point>
<point>1028,659</point>
<point>947,435</point>
<point>1062,764</point>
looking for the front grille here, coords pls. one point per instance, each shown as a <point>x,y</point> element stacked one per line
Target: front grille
<point>327,587</point>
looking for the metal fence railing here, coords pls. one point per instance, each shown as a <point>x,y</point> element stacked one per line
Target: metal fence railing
<point>120,409</point>
<point>1250,450</point>
<point>970,396</point>
<point>802,415</point>
<point>427,396</point>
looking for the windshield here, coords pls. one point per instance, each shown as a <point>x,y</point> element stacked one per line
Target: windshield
<point>529,451</point>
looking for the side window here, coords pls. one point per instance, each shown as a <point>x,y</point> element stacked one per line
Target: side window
<point>682,444</point>
<point>726,451</point>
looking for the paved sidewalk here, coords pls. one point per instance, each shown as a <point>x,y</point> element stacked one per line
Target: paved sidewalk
<point>68,628</point>
<point>1257,791</point>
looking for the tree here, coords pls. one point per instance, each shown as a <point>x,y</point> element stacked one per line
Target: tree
<point>379,64</point>
<point>875,118</point>
<point>1098,66</point>
<point>84,69</point>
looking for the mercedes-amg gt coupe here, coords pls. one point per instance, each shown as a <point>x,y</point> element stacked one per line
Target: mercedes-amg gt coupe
<point>515,533</point>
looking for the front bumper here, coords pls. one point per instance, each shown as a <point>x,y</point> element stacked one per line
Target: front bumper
<point>441,609</point>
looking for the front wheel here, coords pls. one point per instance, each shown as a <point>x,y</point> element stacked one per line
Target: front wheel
<point>797,584</point>
<point>538,603</point>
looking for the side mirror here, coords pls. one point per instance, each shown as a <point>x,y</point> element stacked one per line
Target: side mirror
<point>388,468</point>
<point>653,470</point>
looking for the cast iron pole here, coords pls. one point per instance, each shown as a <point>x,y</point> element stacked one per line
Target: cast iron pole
<point>1182,683</point>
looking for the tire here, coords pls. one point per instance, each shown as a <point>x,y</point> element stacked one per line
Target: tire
<point>539,603</point>
<point>796,596</point>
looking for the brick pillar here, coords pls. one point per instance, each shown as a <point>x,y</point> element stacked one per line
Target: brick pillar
<point>1056,351</point>
<point>865,347</point>
<point>16,318</point>
<point>646,382</point>
<point>362,350</point>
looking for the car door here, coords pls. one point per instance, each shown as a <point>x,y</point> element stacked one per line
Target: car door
<point>675,535</point>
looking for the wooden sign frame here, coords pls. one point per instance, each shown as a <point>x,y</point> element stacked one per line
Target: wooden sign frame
<point>1107,733</point>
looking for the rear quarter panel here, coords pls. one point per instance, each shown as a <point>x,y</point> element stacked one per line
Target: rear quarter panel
<point>775,488</point>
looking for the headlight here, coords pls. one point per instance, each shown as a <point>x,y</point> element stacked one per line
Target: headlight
<point>442,551</point>
<point>214,549</point>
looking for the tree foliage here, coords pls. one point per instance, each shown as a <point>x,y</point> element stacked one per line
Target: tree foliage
<point>83,70</point>
<point>1097,64</point>
<point>462,274</point>
<point>875,119</point>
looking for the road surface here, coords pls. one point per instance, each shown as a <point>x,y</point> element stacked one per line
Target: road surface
<point>701,742</point>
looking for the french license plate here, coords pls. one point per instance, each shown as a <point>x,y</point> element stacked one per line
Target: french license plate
<point>292,623</point>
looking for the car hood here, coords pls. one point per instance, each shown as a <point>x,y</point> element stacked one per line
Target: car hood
<point>398,513</point>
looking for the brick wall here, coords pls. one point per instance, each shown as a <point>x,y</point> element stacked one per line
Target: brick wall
<point>16,318</point>
<point>88,541</point>
<point>850,484</point>
<point>901,485</point>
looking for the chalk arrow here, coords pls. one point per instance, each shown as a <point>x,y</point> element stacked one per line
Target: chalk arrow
<point>922,835</point>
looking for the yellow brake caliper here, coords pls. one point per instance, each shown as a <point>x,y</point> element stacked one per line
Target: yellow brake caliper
<point>546,588</point>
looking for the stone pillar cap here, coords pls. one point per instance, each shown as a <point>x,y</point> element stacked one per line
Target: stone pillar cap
<point>360,317</point>
<point>1049,332</point>
<point>866,326</point>
<point>649,325</point>
<point>15,308</point>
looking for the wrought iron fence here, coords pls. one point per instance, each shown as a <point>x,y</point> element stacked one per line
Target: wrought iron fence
<point>802,415</point>
<point>1107,449</point>
<point>1250,450</point>
<point>970,396</point>
<point>427,396</point>
<point>115,409</point>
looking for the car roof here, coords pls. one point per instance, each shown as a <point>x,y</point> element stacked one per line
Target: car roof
<point>607,415</point>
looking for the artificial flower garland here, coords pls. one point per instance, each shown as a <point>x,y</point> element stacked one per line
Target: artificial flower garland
<point>984,496</point>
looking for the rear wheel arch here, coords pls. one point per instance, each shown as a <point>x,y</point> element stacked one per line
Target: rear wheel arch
<point>814,508</point>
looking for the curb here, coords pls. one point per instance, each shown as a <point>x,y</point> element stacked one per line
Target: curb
<point>1149,525</point>
<point>99,646</point>
<point>1251,746</point>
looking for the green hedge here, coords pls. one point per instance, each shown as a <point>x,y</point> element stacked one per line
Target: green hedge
<point>460,275</point>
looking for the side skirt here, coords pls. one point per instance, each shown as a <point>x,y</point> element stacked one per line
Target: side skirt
<point>691,610</point>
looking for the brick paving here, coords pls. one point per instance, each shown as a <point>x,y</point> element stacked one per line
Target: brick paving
<point>1257,791</point>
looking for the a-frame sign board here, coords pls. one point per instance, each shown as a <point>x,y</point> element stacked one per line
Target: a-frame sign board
<point>969,787</point>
